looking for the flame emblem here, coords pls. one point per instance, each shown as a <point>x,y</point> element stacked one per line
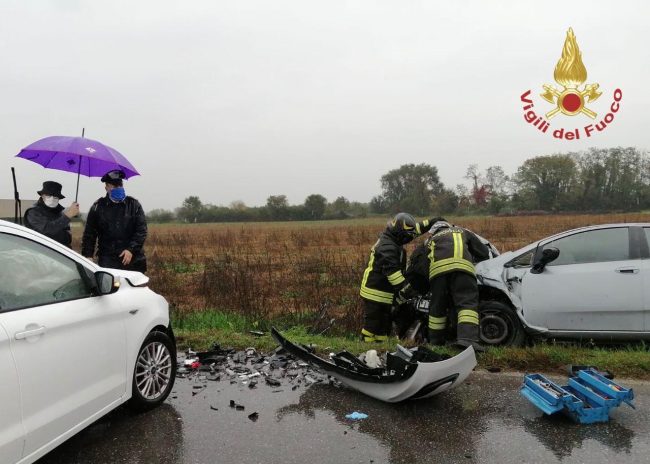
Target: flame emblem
<point>570,73</point>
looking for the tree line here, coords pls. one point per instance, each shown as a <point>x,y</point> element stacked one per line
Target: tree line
<point>597,180</point>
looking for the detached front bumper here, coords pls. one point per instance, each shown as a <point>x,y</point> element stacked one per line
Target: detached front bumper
<point>401,380</point>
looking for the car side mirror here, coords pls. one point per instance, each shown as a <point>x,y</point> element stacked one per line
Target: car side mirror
<point>548,255</point>
<point>106,283</point>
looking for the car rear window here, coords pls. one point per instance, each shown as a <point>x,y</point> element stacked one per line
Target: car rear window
<point>593,246</point>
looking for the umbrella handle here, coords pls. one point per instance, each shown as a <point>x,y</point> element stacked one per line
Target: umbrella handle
<point>76,195</point>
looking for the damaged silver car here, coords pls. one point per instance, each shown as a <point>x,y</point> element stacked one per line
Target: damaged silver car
<point>591,283</point>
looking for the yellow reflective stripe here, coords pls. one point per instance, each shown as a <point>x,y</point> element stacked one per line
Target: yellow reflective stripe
<point>425,222</point>
<point>396,278</point>
<point>468,316</point>
<point>371,261</point>
<point>450,264</point>
<point>371,337</point>
<point>458,245</point>
<point>437,323</point>
<point>387,298</point>
<point>367,335</point>
<point>378,299</point>
<point>417,228</point>
<point>369,293</point>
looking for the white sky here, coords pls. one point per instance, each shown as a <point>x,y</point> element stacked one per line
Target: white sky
<point>243,99</point>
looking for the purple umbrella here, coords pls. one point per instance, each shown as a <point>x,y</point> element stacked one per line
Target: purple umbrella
<point>77,154</point>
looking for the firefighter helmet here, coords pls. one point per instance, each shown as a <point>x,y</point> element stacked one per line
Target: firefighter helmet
<point>402,227</point>
<point>438,226</point>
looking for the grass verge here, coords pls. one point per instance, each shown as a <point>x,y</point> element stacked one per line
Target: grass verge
<point>201,329</point>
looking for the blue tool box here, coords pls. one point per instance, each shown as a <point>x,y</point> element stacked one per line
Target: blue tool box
<point>587,398</point>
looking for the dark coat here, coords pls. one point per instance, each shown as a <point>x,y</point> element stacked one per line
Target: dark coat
<point>50,222</point>
<point>115,227</point>
<point>384,275</point>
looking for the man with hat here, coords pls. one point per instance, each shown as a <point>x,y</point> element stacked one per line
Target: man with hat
<point>117,224</point>
<point>48,217</point>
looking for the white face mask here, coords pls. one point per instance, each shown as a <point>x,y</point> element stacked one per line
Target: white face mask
<point>50,201</point>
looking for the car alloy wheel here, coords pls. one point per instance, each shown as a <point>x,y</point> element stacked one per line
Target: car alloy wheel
<point>153,370</point>
<point>499,325</point>
<point>494,329</point>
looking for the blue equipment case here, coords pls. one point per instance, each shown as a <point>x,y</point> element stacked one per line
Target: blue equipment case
<point>587,398</point>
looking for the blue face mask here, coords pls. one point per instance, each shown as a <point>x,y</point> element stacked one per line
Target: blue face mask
<point>118,194</point>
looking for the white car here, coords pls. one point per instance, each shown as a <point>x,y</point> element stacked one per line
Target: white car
<point>591,283</point>
<point>76,341</point>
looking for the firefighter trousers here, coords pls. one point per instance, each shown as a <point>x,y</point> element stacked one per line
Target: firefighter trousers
<point>376,321</point>
<point>454,293</point>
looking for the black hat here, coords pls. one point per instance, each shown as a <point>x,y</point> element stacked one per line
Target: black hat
<point>51,188</point>
<point>114,177</point>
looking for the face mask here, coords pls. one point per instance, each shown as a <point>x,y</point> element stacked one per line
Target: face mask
<point>117,194</point>
<point>50,201</point>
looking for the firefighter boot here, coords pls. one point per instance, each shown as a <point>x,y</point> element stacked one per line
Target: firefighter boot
<point>468,330</point>
<point>437,327</point>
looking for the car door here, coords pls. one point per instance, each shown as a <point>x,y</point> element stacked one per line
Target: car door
<point>68,345</point>
<point>645,252</point>
<point>596,284</point>
<point>12,435</point>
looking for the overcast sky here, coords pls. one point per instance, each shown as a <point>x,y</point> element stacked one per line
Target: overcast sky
<point>244,99</point>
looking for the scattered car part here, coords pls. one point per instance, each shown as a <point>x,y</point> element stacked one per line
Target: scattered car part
<point>356,416</point>
<point>408,374</point>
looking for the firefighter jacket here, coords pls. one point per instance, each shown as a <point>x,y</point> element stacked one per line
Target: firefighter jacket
<point>115,227</point>
<point>50,222</point>
<point>455,249</point>
<point>384,276</point>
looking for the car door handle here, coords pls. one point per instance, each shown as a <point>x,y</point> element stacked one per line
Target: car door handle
<point>627,270</point>
<point>30,333</point>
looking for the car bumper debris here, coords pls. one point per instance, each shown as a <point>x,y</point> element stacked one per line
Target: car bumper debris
<point>407,374</point>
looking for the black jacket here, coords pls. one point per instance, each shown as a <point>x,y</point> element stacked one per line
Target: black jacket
<point>470,251</point>
<point>384,276</point>
<point>50,222</point>
<point>116,227</point>
<point>454,249</point>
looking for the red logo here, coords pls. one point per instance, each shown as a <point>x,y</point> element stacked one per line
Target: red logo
<point>572,98</point>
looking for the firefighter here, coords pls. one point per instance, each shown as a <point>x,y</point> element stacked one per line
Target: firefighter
<point>383,282</point>
<point>453,251</point>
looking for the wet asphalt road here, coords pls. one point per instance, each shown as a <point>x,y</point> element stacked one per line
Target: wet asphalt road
<point>484,420</point>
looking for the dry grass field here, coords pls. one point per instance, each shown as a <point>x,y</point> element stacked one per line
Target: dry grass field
<point>300,269</point>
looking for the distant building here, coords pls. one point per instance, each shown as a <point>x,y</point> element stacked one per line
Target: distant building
<point>7,208</point>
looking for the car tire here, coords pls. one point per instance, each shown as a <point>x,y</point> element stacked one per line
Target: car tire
<point>154,372</point>
<point>500,325</point>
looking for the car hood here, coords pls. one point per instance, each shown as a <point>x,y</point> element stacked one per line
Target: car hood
<point>492,268</point>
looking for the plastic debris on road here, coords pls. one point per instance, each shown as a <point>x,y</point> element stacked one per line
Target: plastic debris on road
<point>371,358</point>
<point>356,416</point>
